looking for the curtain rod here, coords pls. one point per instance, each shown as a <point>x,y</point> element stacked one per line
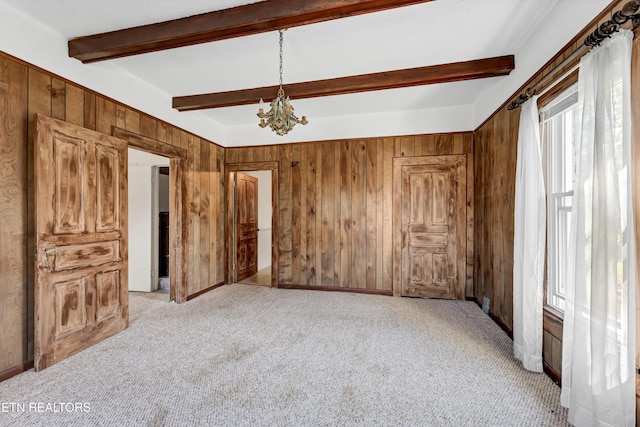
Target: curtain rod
<point>604,31</point>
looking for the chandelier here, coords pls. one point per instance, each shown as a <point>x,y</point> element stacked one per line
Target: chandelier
<point>280,117</point>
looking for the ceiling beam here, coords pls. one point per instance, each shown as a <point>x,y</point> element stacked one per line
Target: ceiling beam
<point>223,24</point>
<point>444,73</point>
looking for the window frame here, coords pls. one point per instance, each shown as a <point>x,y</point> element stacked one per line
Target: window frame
<point>567,88</point>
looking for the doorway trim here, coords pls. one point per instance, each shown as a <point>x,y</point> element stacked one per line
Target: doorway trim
<point>177,213</point>
<point>230,170</point>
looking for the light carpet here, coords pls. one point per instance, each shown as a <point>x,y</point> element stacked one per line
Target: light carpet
<point>247,355</point>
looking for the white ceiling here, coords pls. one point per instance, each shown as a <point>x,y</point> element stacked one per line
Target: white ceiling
<point>432,33</point>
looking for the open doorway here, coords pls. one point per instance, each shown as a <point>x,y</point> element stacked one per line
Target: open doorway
<point>148,221</point>
<point>253,227</point>
<point>252,221</point>
<point>177,212</point>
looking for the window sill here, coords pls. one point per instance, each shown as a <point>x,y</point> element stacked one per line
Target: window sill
<point>552,320</point>
<point>553,313</point>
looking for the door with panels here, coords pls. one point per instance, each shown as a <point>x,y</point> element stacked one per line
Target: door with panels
<point>433,227</point>
<point>246,226</point>
<point>81,239</point>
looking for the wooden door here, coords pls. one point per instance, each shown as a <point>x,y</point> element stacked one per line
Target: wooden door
<point>246,226</point>
<point>81,239</point>
<point>433,215</point>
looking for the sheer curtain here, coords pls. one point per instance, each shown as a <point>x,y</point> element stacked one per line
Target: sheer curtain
<point>598,379</point>
<point>529,241</point>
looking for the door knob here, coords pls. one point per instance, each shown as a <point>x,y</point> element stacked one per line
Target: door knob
<point>48,258</point>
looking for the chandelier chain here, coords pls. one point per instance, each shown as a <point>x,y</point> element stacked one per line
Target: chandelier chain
<point>280,117</point>
<point>281,43</point>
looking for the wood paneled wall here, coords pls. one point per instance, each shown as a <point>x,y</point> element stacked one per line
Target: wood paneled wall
<point>495,161</point>
<point>336,204</point>
<point>24,91</point>
<point>495,167</point>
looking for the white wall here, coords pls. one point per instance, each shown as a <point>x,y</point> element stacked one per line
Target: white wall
<point>264,217</point>
<point>142,222</point>
<point>40,45</point>
<point>562,24</point>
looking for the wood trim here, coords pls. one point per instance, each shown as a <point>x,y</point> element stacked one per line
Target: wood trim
<point>232,168</point>
<point>252,166</point>
<point>567,82</point>
<point>177,198</point>
<point>149,145</point>
<point>204,291</point>
<point>177,263</point>
<point>443,73</point>
<point>552,322</point>
<point>221,25</point>
<point>16,370</point>
<point>495,318</point>
<point>338,289</point>
<point>552,373</point>
<point>240,147</point>
<point>502,325</point>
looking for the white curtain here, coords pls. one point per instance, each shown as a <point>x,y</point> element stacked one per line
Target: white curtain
<point>529,241</point>
<point>598,379</point>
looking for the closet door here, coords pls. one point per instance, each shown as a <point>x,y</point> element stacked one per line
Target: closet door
<point>433,216</point>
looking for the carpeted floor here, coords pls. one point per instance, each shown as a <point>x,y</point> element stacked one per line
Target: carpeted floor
<point>247,355</point>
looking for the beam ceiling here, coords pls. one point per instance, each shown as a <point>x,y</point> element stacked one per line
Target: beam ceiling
<point>223,24</point>
<point>444,73</point>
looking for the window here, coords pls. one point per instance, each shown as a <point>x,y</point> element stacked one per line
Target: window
<point>559,139</point>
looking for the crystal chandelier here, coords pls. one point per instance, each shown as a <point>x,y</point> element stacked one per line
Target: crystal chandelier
<point>280,117</point>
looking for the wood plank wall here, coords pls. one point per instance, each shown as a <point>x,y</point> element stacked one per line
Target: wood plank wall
<point>495,162</point>
<point>335,206</point>
<point>26,90</point>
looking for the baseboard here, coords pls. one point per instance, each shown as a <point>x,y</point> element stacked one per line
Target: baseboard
<point>502,325</point>
<point>12,372</point>
<point>337,289</point>
<point>204,291</point>
<point>551,373</point>
<point>495,318</point>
